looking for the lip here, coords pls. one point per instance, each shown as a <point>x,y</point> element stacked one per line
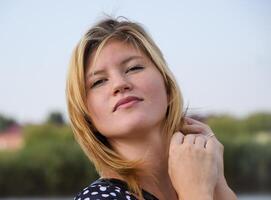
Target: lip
<point>126,100</point>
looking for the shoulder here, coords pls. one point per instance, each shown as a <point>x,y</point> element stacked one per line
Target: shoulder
<point>108,189</point>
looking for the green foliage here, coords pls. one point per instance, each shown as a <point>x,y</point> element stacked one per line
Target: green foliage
<point>5,122</point>
<point>247,150</point>
<point>229,127</point>
<point>225,125</point>
<point>247,166</point>
<point>55,118</point>
<point>34,134</point>
<point>258,122</point>
<point>51,163</point>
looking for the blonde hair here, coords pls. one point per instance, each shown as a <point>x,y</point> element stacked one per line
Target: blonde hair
<point>92,142</point>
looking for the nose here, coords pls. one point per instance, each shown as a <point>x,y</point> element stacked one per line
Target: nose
<point>121,85</point>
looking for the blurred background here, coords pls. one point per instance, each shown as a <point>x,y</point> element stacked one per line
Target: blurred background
<point>219,52</point>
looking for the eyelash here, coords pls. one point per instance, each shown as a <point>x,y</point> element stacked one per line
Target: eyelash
<point>134,68</point>
<point>97,82</point>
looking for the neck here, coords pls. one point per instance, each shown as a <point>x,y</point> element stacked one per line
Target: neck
<point>152,148</point>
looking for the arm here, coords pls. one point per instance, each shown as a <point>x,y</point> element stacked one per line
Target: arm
<point>223,191</point>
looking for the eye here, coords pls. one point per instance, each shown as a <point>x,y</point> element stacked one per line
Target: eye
<point>97,83</point>
<point>135,68</point>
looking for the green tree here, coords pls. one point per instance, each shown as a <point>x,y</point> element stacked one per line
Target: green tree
<point>258,122</point>
<point>225,125</point>
<point>56,118</point>
<point>5,122</point>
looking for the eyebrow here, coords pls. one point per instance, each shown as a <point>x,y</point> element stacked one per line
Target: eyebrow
<point>124,61</point>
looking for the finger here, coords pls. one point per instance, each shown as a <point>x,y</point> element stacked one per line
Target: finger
<point>190,121</point>
<point>189,139</point>
<point>210,134</point>
<point>195,128</point>
<point>200,141</point>
<point>211,145</point>
<point>187,120</point>
<point>177,138</point>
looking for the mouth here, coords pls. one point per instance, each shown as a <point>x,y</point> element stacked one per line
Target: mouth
<point>127,102</point>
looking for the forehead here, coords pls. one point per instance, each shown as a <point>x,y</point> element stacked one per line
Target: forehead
<point>112,53</point>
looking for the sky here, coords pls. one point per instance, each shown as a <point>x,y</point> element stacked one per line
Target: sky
<point>219,51</point>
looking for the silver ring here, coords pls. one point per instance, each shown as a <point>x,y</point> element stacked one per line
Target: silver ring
<point>210,134</point>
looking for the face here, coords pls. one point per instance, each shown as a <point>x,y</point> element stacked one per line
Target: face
<point>124,75</point>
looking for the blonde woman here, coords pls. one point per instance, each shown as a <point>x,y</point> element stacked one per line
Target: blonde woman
<point>125,109</point>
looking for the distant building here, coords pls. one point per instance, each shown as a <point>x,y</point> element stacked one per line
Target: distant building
<point>11,138</point>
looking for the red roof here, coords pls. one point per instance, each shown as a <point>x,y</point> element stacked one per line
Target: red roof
<point>11,138</point>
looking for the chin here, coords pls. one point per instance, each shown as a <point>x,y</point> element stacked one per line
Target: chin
<point>132,124</point>
<point>134,127</point>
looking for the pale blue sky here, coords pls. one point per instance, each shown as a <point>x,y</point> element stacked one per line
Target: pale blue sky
<point>220,51</point>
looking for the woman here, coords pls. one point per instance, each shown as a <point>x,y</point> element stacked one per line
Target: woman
<point>125,106</point>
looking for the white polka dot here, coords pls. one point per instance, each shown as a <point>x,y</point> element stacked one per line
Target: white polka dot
<point>86,198</point>
<point>102,188</point>
<point>93,193</point>
<point>127,192</point>
<point>113,194</point>
<point>85,192</point>
<point>117,190</point>
<point>105,195</point>
<point>128,197</point>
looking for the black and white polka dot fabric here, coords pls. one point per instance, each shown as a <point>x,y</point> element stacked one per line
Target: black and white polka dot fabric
<point>109,189</point>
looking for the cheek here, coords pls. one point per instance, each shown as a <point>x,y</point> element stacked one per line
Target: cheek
<point>155,89</point>
<point>96,107</point>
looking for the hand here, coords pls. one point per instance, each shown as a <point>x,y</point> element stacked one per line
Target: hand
<point>193,167</point>
<point>222,190</point>
<point>192,126</point>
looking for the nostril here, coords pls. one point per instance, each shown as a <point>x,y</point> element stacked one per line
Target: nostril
<point>122,88</point>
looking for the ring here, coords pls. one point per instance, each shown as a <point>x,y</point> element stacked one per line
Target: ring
<point>210,134</point>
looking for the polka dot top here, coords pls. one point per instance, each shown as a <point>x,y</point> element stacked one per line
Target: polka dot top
<point>110,189</point>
